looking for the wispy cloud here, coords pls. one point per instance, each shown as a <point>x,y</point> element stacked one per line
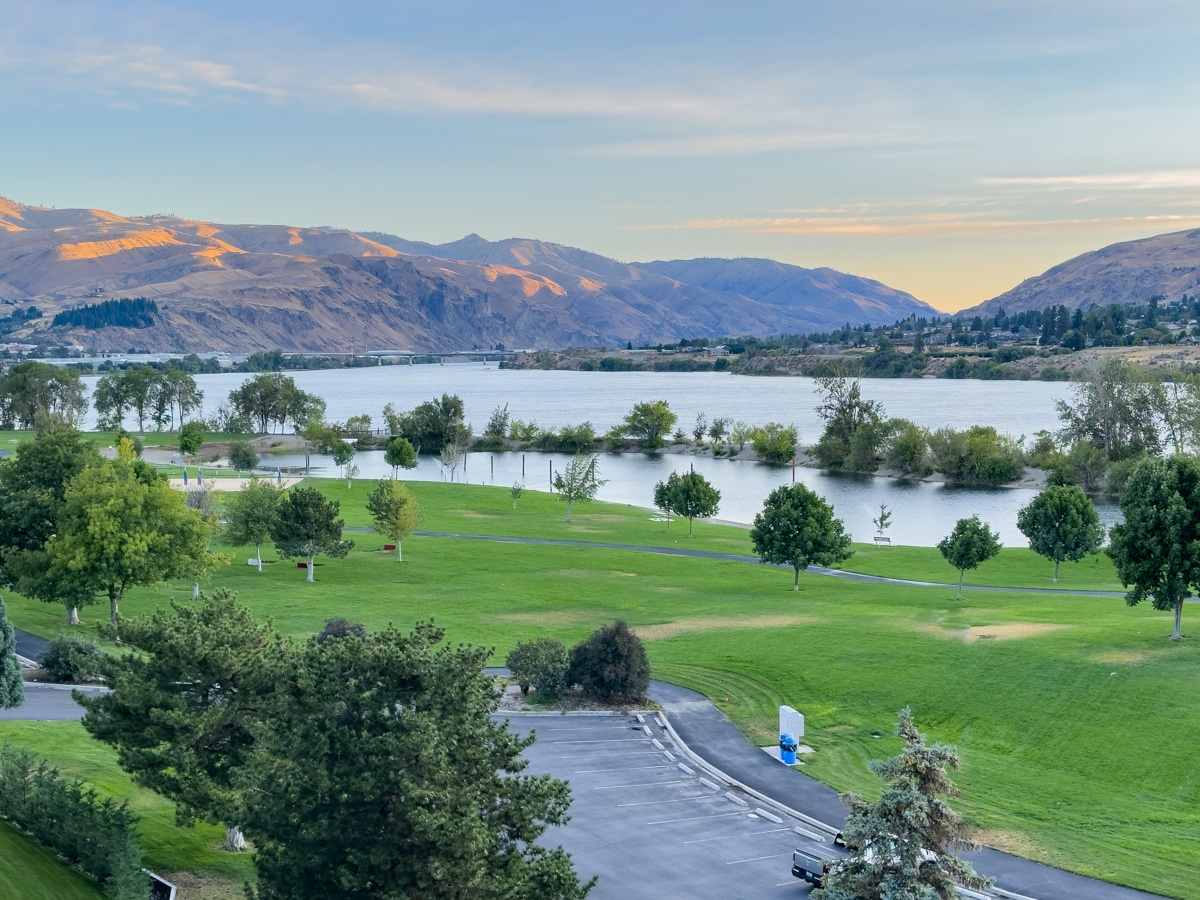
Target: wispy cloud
<point>1172,179</point>
<point>929,225</point>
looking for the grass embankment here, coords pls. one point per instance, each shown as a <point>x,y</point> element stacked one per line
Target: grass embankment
<point>35,873</point>
<point>1072,713</point>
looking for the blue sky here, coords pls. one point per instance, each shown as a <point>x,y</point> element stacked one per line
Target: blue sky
<point>950,149</point>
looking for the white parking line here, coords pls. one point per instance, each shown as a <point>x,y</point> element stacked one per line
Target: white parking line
<point>694,818</point>
<point>729,837</point>
<point>674,800</point>
<point>613,787</point>
<point>756,859</point>
<point>638,740</point>
<point>621,769</point>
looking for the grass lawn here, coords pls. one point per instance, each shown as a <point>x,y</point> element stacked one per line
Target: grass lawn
<point>170,850</point>
<point>1073,714</point>
<point>32,872</point>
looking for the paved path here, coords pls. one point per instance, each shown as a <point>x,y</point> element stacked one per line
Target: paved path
<point>741,557</point>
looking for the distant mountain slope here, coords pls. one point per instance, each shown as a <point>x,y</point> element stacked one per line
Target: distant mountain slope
<point>821,294</point>
<point>248,287</point>
<point>1128,272</point>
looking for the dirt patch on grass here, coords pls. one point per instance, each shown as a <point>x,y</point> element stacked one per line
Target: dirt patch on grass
<point>1006,632</point>
<point>690,626</point>
<point>473,514</point>
<point>1010,842</point>
<point>201,888</point>
<point>593,573</point>
<point>1127,657</point>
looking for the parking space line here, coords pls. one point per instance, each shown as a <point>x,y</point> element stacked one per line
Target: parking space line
<point>694,818</point>
<point>674,800</point>
<point>613,787</point>
<point>621,769</point>
<point>732,836</point>
<point>637,740</point>
<point>756,859</point>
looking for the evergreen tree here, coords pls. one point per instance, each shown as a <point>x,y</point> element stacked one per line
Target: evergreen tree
<point>902,845</point>
<point>12,692</point>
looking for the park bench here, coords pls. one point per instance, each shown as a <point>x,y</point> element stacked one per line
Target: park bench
<point>880,539</point>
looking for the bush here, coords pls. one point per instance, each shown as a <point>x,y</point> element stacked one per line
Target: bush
<point>540,664</point>
<point>72,658</point>
<point>340,628</point>
<point>99,836</point>
<point>775,443</point>
<point>611,665</point>
<point>242,456</point>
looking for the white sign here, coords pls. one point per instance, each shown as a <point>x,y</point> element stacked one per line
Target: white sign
<point>791,722</point>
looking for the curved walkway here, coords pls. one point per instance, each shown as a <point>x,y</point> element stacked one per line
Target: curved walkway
<point>741,557</point>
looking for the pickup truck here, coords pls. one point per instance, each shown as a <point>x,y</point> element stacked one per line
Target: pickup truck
<point>808,867</point>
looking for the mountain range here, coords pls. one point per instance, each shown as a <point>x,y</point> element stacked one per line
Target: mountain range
<point>240,288</point>
<point>1166,265</point>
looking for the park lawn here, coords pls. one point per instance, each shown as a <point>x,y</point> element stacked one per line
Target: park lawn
<point>169,849</point>
<point>1071,712</point>
<point>33,872</point>
<point>1016,567</point>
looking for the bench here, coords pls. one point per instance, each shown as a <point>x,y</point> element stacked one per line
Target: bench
<point>880,539</point>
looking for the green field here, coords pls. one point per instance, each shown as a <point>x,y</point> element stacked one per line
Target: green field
<point>35,873</point>
<point>1073,713</point>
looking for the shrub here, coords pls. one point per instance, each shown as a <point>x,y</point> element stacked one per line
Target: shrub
<point>340,628</point>
<point>540,664</point>
<point>611,665</point>
<point>99,836</point>
<point>72,658</point>
<point>242,456</point>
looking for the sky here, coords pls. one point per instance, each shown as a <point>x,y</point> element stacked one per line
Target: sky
<point>948,149</point>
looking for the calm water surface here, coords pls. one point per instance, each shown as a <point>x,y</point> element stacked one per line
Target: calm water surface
<point>922,513</point>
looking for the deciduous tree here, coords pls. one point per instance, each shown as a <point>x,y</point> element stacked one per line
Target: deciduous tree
<point>1156,549</point>
<point>775,443</point>
<point>250,515</point>
<point>394,512</point>
<point>33,391</point>
<point>1061,523</point>
<point>242,456</point>
<point>903,845</point>
<point>797,528</point>
<point>689,496</point>
<point>970,543</point>
<point>399,454</point>
<point>649,421</point>
<point>306,525</point>
<point>578,482</point>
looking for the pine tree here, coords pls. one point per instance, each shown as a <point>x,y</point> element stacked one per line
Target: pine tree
<point>12,692</point>
<point>902,844</point>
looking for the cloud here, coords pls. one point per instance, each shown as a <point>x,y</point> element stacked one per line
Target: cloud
<point>927,225</point>
<point>1172,179</point>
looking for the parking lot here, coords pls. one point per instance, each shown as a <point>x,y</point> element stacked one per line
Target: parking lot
<point>651,824</point>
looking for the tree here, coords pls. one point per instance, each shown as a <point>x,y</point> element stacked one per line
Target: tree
<point>451,455</point>
<point>121,525</point>
<point>32,486</point>
<point>400,454</point>
<point>775,443</point>
<point>1061,523</point>
<point>649,421</point>
<point>1156,550</point>
<point>12,685</point>
<point>394,512</point>
<point>662,497</point>
<point>578,482</point>
<point>516,491</point>
<point>306,524</point>
<point>273,399</point>
<point>542,664</point>
<point>844,412</point>
<point>379,772</point>
<point>242,456</point>
<point>33,391</point>
<point>611,665</point>
<point>883,521</point>
<point>689,496</point>
<point>970,543</point>
<point>343,452</point>
<point>191,438</point>
<point>1112,411</point>
<point>796,528</point>
<point>181,707</point>
<point>497,425</point>
<point>903,845</point>
<point>250,515</point>
<point>430,425</point>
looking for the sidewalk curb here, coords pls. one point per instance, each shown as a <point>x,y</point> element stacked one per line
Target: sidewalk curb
<point>757,795</point>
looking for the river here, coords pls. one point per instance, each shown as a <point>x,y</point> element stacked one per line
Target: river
<point>922,513</point>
